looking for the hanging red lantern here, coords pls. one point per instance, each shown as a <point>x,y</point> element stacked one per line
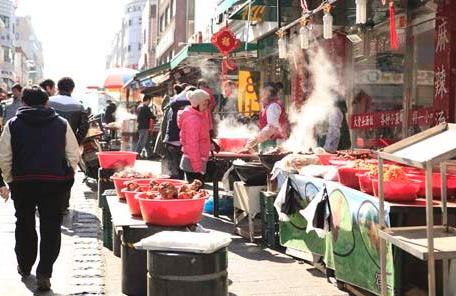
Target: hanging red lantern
<point>225,41</point>
<point>393,32</point>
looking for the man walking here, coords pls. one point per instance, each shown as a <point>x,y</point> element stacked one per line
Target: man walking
<point>144,117</point>
<point>10,110</point>
<point>73,111</point>
<point>49,86</point>
<point>38,159</point>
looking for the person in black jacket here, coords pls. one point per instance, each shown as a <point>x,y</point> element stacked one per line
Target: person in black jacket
<point>70,108</point>
<point>38,160</point>
<point>172,135</point>
<point>145,115</point>
<point>74,112</point>
<point>110,112</point>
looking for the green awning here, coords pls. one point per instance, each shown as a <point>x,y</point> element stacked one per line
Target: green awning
<point>153,71</point>
<point>202,49</point>
<point>225,5</point>
<point>266,11</point>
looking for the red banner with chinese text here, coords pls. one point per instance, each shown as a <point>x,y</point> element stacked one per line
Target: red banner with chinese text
<point>418,117</point>
<point>444,58</point>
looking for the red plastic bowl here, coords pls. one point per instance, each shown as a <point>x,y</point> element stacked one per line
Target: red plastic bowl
<point>232,144</point>
<point>119,184</point>
<point>401,192</point>
<point>325,158</point>
<point>348,176</point>
<point>133,203</point>
<point>365,183</point>
<point>436,184</point>
<point>116,159</point>
<point>175,212</point>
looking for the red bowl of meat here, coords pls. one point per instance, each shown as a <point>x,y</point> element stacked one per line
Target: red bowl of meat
<point>348,176</point>
<point>365,183</point>
<point>116,159</point>
<point>170,212</point>
<point>395,191</point>
<point>119,184</point>
<point>133,203</point>
<point>232,144</point>
<point>436,184</point>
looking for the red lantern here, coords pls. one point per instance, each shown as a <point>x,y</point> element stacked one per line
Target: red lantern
<point>225,41</point>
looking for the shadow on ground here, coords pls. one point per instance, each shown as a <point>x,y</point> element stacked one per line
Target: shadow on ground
<point>239,245</point>
<point>30,283</point>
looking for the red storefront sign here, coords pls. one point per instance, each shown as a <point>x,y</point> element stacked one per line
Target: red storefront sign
<point>444,60</point>
<point>418,117</point>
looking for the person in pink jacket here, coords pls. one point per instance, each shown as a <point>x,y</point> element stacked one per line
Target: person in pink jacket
<point>194,135</point>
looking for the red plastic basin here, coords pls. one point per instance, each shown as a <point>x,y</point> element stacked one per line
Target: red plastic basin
<point>232,144</point>
<point>365,183</point>
<point>133,203</point>
<point>175,212</point>
<point>394,191</point>
<point>436,184</point>
<point>348,176</point>
<point>325,158</point>
<point>116,159</point>
<point>119,184</point>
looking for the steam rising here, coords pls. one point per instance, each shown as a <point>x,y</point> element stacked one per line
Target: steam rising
<point>316,109</point>
<point>230,128</point>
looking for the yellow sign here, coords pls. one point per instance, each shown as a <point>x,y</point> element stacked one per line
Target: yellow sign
<point>247,96</point>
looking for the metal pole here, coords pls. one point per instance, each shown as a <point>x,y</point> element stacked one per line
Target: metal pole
<point>279,15</point>
<point>381,219</point>
<point>430,230</point>
<point>445,263</point>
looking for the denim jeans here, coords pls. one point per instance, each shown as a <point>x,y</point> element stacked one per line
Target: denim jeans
<point>143,142</point>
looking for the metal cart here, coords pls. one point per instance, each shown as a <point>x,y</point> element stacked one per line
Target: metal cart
<point>425,150</point>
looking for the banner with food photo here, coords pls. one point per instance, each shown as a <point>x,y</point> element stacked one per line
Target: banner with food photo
<point>351,248</point>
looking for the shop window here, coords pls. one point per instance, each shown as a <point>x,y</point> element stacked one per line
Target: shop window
<point>6,20</point>
<point>173,8</point>
<point>421,53</point>
<point>378,94</point>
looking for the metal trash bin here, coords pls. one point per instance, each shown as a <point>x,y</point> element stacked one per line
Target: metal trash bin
<point>134,262</point>
<point>183,274</point>
<point>181,267</point>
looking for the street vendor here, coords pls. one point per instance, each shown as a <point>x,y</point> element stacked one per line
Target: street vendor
<point>336,135</point>
<point>273,122</point>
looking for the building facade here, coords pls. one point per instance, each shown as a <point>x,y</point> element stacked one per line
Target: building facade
<point>132,23</point>
<point>175,26</point>
<point>116,57</point>
<point>28,45</point>
<point>149,35</point>
<point>7,43</point>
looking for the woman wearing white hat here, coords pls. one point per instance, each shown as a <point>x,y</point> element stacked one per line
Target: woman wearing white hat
<point>194,135</point>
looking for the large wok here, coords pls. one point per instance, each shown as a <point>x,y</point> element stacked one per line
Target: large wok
<point>269,160</point>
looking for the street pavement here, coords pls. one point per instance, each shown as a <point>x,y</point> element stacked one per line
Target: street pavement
<point>84,267</point>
